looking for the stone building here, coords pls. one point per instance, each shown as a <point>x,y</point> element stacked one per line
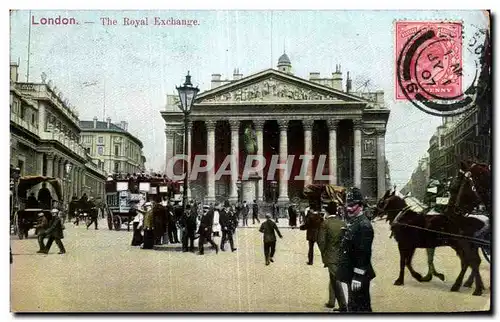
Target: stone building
<point>112,147</point>
<point>289,115</point>
<point>44,134</point>
<point>417,185</point>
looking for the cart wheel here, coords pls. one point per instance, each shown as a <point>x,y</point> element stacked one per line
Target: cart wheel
<point>486,253</point>
<point>110,221</point>
<point>117,221</point>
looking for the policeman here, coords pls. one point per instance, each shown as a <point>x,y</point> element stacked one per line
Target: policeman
<point>355,270</point>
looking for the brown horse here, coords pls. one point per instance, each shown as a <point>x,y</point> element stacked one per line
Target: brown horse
<point>411,238</point>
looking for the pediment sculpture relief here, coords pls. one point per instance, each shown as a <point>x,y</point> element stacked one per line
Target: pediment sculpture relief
<point>271,90</point>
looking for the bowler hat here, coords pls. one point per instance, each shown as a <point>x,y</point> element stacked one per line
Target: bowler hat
<point>226,204</point>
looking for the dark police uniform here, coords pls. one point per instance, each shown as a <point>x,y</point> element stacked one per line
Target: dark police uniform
<point>355,262</point>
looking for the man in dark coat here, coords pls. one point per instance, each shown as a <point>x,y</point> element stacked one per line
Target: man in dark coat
<point>31,202</point>
<point>268,228</point>
<point>91,210</point>
<point>172,224</point>
<point>355,267</point>
<point>255,212</point>
<point>205,231</point>
<point>312,223</point>
<point>226,221</point>
<point>188,229</point>
<point>159,220</point>
<point>44,197</point>
<point>292,216</point>
<point>329,239</point>
<point>244,213</point>
<point>55,233</point>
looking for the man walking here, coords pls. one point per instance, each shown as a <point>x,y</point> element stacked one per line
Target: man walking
<point>312,222</point>
<point>41,226</point>
<point>91,210</point>
<point>205,231</point>
<point>188,229</point>
<point>276,212</point>
<point>226,221</point>
<point>268,228</point>
<point>55,233</point>
<point>329,239</point>
<point>255,212</point>
<point>355,267</point>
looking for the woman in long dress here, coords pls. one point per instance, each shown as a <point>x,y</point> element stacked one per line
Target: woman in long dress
<point>137,224</point>
<point>216,229</point>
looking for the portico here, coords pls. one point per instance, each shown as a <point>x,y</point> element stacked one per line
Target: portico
<point>293,119</point>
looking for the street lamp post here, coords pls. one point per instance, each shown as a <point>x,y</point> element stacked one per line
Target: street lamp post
<point>67,180</point>
<point>187,95</point>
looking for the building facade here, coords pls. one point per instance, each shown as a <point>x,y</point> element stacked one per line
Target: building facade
<point>290,116</point>
<point>112,147</point>
<point>45,134</point>
<point>417,185</point>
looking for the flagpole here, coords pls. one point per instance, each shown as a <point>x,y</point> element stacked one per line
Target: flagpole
<point>29,47</point>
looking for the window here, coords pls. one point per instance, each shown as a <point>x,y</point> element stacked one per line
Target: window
<point>100,150</point>
<point>117,150</point>
<point>23,111</point>
<point>32,118</point>
<point>100,140</point>
<point>117,166</point>
<point>87,139</point>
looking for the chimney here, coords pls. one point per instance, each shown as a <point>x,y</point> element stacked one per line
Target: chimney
<point>337,78</point>
<point>236,74</point>
<point>313,76</point>
<point>14,75</point>
<point>123,125</point>
<point>348,83</point>
<point>215,80</point>
<point>95,122</point>
<point>380,97</point>
<point>108,120</point>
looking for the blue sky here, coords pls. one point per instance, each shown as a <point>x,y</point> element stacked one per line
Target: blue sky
<point>137,67</point>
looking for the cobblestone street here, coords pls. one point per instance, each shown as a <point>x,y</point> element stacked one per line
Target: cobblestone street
<point>102,273</point>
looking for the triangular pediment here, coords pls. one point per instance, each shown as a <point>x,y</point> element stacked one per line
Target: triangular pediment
<point>273,86</point>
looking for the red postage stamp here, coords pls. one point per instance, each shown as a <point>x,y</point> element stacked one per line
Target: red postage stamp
<point>428,59</point>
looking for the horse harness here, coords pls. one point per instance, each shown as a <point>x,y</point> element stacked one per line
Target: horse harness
<point>468,176</point>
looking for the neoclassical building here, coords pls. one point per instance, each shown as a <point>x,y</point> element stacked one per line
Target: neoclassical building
<point>343,132</point>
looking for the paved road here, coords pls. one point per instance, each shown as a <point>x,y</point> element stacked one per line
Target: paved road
<point>101,272</point>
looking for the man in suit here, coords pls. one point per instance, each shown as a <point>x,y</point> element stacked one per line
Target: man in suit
<point>91,210</point>
<point>355,267</point>
<point>205,231</point>
<point>244,213</point>
<point>44,197</point>
<point>41,226</point>
<point>188,229</point>
<point>276,212</point>
<point>268,228</point>
<point>55,233</point>
<point>312,222</point>
<point>255,212</point>
<point>329,239</point>
<point>226,220</point>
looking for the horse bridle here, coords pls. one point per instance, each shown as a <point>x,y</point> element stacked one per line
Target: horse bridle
<point>468,175</point>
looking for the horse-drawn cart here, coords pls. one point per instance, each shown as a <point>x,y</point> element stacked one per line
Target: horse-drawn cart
<point>24,218</point>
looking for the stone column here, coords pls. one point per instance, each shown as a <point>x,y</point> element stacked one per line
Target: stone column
<point>169,142</point>
<point>61,168</point>
<point>332,150</point>
<point>55,167</point>
<point>233,187</point>
<point>50,164</point>
<point>381,164</point>
<point>259,129</point>
<point>39,164</point>
<point>190,129</point>
<point>357,153</point>
<point>211,156</point>
<point>308,152</point>
<point>283,182</point>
